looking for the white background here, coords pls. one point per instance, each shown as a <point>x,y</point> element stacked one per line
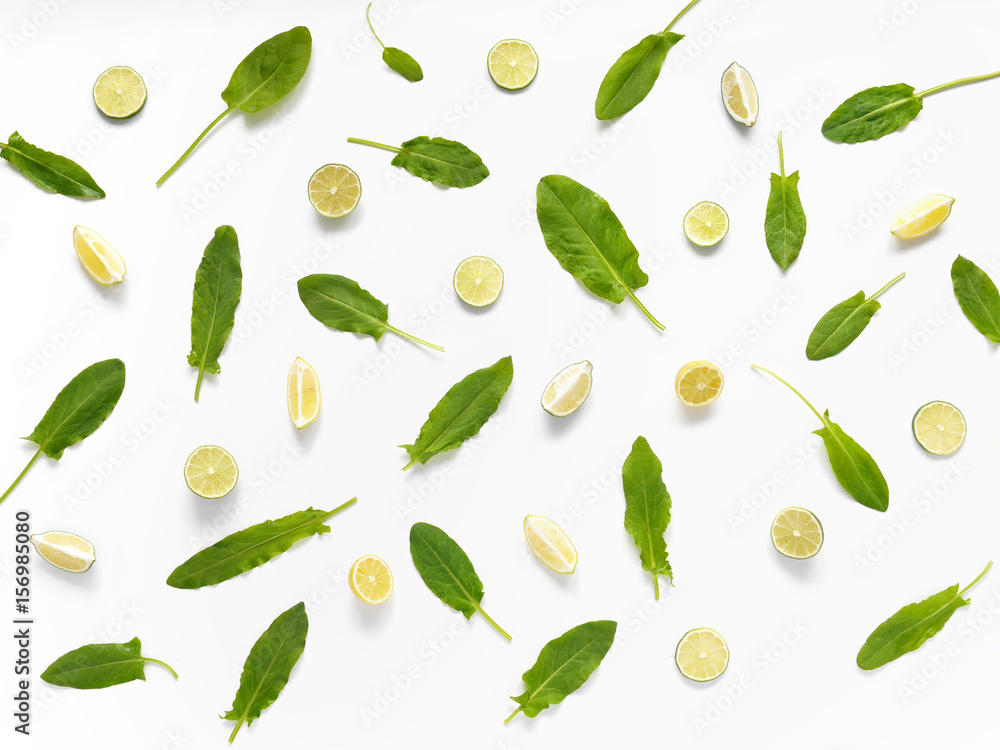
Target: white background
<point>402,243</point>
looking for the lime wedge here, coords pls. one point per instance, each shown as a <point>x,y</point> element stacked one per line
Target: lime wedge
<point>550,544</point>
<point>97,257</point>
<point>119,92</point>
<point>739,95</point>
<point>567,391</point>
<point>797,533</point>
<point>304,398</point>
<point>66,551</point>
<point>922,216</point>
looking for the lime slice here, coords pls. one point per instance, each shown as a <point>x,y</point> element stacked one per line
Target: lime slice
<point>702,655</point>
<point>550,544</point>
<point>211,472</point>
<point>97,257</point>
<point>706,224</point>
<point>939,428</point>
<point>698,383</point>
<point>478,281</point>
<point>66,551</point>
<point>370,579</point>
<point>739,95</point>
<point>567,391</point>
<point>119,92</point>
<point>922,217</point>
<point>797,533</point>
<point>334,190</point>
<point>513,64</point>
<point>304,397</point>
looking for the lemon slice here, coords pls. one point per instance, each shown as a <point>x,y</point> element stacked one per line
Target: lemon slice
<point>550,544</point>
<point>706,224</point>
<point>922,217</point>
<point>303,393</point>
<point>370,579</point>
<point>939,428</point>
<point>567,391</point>
<point>119,92</point>
<point>97,257</point>
<point>66,551</point>
<point>797,533</point>
<point>478,281</point>
<point>334,190</point>
<point>513,64</point>
<point>211,472</point>
<point>740,95</point>
<point>698,383</point>
<point>702,655</point>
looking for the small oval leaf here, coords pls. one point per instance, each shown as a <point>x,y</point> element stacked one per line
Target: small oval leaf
<point>403,64</point>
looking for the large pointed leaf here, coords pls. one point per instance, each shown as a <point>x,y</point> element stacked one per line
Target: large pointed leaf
<point>250,548</point>
<point>264,77</point>
<point>439,160</point>
<point>632,76</point>
<point>448,572</point>
<point>564,665</point>
<point>785,220</point>
<point>840,326</point>
<point>80,408</point>
<point>462,411</point>
<point>217,287</point>
<point>977,296</point>
<point>853,466</point>
<point>49,171</point>
<point>270,71</point>
<point>100,665</point>
<point>589,241</point>
<point>340,303</point>
<point>647,509</point>
<point>843,323</point>
<point>873,113</point>
<point>913,625</point>
<point>268,666</point>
